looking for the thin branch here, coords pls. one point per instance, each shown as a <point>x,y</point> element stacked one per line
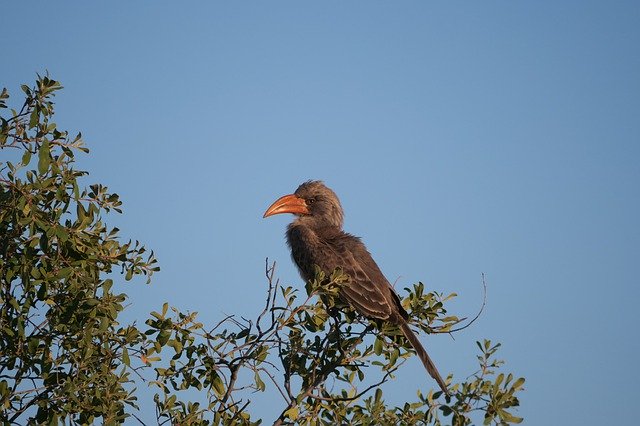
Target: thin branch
<point>33,400</point>
<point>232,380</point>
<point>484,303</point>
<point>269,272</point>
<point>357,396</point>
<point>138,419</point>
<point>241,410</point>
<point>222,321</point>
<point>273,380</point>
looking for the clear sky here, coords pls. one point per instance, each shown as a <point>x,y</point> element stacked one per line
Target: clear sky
<point>463,137</point>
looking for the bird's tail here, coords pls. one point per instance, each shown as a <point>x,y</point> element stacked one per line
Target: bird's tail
<point>422,353</point>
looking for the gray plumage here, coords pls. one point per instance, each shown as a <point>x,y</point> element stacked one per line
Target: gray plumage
<point>317,238</point>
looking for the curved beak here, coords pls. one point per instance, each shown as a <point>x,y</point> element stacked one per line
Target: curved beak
<point>287,204</point>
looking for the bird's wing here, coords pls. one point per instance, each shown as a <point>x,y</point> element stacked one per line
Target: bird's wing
<point>371,295</point>
<point>368,291</point>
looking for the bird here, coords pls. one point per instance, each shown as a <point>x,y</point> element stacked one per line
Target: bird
<point>316,239</point>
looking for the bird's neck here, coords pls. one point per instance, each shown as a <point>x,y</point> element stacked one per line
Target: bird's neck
<point>308,240</point>
<point>320,228</point>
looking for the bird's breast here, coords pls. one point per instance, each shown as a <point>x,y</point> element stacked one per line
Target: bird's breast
<point>309,248</point>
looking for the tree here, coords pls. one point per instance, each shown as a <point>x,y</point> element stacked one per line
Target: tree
<point>63,354</point>
<point>64,357</point>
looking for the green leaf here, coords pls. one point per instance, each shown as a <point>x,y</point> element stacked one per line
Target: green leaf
<point>518,384</point>
<point>259,383</point>
<point>64,273</point>
<point>106,285</point>
<point>26,157</point>
<point>377,346</point>
<point>44,158</point>
<point>176,345</point>
<point>262,353</point>
<point>163,337</point>
<point>393,357</point>
<point>292,413</point>
<point>34,118</point>
<point>218,386</point>
<point>509,418</point>
<point>42,292</point>
<point>125,357</point>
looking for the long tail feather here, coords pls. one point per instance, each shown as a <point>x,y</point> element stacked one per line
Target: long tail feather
<point>422,354</point>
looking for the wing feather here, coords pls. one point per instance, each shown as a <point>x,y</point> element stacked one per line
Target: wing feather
<point>368,291</point>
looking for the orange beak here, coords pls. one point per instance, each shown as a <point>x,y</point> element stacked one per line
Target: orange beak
<point>287,204</point>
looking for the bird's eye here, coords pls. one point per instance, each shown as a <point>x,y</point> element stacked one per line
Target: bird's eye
<point>311,200</point>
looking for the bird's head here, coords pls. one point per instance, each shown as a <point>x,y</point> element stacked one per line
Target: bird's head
<point>313,202</point>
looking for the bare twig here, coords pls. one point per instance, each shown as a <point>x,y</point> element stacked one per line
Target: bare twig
<point>240,411</point>
<point>232,380</point>
<point>358,395</point>
<point>484,302</point>
<point>269,272</point>
<point>273,380</point>
<point>138,419</point>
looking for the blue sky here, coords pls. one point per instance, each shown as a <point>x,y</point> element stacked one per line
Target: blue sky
<point>462,138</point>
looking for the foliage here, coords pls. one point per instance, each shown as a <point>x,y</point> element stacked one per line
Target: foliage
<point>65,358</point>
<point>327,359</point>
<point>61,351</point>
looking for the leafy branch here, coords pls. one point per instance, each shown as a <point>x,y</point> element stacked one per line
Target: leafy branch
<point>65,358</point>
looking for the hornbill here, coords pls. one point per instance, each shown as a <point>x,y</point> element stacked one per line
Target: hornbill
<point>316,238</point>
